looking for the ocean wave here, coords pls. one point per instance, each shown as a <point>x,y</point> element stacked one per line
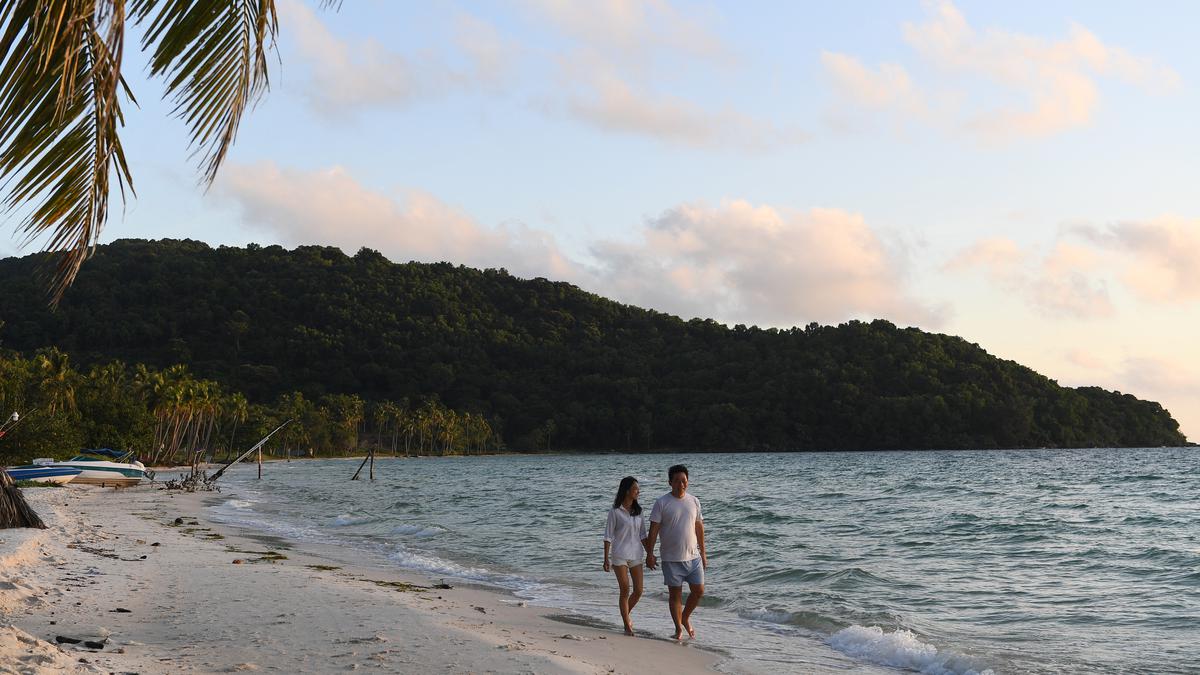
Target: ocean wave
<point>418,530</point>
<point>810,620</point>
<point>901,649</point>
<point>346,519</point>
<point>276,528</point>
<point>434,565</point>
<point>847,576</point>
<point>238,503</point>
<point>1146,520</point>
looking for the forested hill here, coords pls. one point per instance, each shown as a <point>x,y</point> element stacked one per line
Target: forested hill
<point>548,364</point>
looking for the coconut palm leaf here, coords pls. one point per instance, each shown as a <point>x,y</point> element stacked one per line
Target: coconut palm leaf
<point>60,86</point>
<point>213,56</point>
<point>60,102</point>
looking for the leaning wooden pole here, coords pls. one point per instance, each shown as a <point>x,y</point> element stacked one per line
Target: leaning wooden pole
<point>14,510</point>
<point>246,454</point>
<point>360,467</point>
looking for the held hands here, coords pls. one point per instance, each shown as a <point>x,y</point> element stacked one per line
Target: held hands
<point>651,561</point>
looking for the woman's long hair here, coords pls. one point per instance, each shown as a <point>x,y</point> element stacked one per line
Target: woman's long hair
<point>627,482</point>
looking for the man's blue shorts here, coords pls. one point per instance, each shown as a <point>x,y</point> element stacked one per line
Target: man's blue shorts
<point>676,573</point>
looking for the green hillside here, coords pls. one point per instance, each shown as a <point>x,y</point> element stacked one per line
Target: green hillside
<point>545,363</point>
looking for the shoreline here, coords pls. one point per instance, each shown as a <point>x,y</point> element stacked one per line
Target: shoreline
<point>144,571</point>
<point>668,451</point>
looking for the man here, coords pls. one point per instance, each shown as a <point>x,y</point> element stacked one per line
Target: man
<point>677,516</point>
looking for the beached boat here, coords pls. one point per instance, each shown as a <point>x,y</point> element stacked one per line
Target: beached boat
<point>98,468</point>
<point>43,474</point>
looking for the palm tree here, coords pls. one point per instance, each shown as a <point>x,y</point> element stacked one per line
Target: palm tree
<point>61,92</point>
<point>58,380</point>
<point>238,410</point>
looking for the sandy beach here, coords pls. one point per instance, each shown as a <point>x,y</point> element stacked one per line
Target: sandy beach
<point>154,587</point>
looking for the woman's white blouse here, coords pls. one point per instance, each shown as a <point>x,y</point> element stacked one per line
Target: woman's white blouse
<point>625,533</point>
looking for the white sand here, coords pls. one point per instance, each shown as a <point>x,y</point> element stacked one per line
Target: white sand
<point>192,609</point>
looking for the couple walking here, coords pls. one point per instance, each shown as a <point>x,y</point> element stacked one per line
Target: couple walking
<point>675,517</point>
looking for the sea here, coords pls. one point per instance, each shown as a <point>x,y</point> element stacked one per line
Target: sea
<point>939,562</point>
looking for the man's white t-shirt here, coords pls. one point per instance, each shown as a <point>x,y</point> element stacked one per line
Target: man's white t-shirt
<point>625,532</point>
<point>677,518</point>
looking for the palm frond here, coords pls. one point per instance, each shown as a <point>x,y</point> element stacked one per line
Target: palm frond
<point>60,87</point>
<point>213,56</point>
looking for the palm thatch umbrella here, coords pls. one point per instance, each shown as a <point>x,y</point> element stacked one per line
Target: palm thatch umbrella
<point>14,510</point>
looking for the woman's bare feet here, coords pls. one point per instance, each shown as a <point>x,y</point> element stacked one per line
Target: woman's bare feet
<point>629,629</point>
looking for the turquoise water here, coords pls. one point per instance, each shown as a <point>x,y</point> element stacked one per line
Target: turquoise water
<point>1082,561</point>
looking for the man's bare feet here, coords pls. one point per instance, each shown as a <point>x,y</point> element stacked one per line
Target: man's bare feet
<point>687,623</point>
<point>678,634</point>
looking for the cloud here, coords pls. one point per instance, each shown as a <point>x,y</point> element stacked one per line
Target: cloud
<point>346,77</point>
<point>758,264</point>
<point>1158,257</point>
<point>606,55</point>
<point>734,262</point>
<point>331,208</point>
<point>611,75</point>
<point>489,55</point>
<point>631,27</point>
<point>1065,283</point>
<point>1055,81</point>
<point>601,98</point>
<point>999,256</point>
<point>888,87</point>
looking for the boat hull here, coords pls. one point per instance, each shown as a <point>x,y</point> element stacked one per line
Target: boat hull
<point>43,474</point>
<point>105,479</point>
<point>103,473</point>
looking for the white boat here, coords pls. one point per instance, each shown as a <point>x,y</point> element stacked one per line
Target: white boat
<point>103,472</point>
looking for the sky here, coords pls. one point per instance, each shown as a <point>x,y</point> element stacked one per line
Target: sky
<point>1019,174</point>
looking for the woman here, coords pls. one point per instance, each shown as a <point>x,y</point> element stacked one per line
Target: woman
<point>623,536</point>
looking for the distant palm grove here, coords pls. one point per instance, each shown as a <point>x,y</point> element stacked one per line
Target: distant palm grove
<point>171,347</point>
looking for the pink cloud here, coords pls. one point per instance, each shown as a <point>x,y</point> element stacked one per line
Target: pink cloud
<point>1057,81</point>
<point>1064,283</point>
<point>736,262</point>
<point>761,265</point>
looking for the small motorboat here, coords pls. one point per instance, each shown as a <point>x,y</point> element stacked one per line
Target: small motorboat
<point>96,467</point>
<point>43,474</point>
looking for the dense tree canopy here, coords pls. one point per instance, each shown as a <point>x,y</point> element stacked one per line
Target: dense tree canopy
<point>545,364</point>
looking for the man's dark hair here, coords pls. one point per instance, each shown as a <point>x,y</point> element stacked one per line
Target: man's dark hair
<point>678,468</point>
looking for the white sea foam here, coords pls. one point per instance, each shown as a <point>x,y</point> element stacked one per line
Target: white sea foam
<point>239,503</point>
<point>768,615</point>
<point>270,527</point>
<point>347,519</point>
<point>434,565</point>
<point>900,649</point>
<point>418,530</point>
